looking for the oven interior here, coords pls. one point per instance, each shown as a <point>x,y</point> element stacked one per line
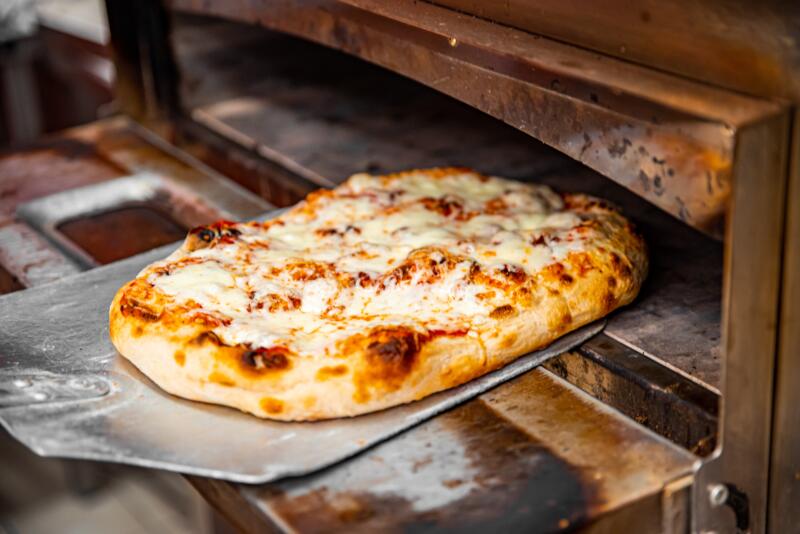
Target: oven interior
<point>251,94</point>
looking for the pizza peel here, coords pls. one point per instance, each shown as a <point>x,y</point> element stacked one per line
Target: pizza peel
<point>66,392</point>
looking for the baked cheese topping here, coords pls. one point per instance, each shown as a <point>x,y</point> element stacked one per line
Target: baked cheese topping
<point>429,250</point>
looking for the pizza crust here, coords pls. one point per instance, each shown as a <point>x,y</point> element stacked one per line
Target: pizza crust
<point>387,365</point>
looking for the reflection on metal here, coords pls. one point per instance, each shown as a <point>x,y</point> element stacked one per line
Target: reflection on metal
<point>533,454</point>
<point>750,316</point>
<point>785,460</point>
<point>22,389</point>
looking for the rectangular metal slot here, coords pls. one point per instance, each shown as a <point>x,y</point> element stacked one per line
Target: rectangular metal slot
<point>106,222</point>
<point>122,232</point>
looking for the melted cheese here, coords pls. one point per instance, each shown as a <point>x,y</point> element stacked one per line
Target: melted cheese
<point>354,239</point>
<point>208,284</point>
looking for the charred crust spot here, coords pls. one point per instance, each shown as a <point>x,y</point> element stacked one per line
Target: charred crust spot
<point>612,282</point>
<point>325,232</point>
<point>514,273</point>
<point>619,266</point>
<point>219,232</point>
<point>364,279</point>
<point>557,272</point>
<point>271,405</point>
<point>206,235</point>
<point>180,357</point>
<point>222,379</point>
<point>539,240</point>
<point>395,353</point>
<point>265,360</point>
<point>206,338</point>
<point>331,372</point>
<point>609,301</point>
<point>390,354</point>
<point>502,311</point>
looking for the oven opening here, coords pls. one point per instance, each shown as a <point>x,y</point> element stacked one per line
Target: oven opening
<point>122,232</point>
<point>251,101</point>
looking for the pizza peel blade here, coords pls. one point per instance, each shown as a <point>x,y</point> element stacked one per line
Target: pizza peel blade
<point>65,392</point>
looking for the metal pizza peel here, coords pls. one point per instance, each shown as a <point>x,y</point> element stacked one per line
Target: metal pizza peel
<point>66,392</point>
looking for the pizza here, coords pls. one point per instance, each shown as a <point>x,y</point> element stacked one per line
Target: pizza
<point>379,292</point>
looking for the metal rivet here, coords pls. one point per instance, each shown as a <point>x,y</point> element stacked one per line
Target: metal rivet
<point>453,41</point>
<point>717,494</point>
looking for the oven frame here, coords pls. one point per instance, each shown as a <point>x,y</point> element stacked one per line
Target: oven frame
<point>750,135</point>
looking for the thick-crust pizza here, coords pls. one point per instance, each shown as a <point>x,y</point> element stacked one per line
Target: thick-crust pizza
<point>376,293</point>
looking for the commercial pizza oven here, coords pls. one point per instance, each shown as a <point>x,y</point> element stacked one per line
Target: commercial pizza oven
<point>682,414</point>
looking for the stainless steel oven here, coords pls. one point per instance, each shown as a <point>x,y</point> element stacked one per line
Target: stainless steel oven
<point>682,415</point>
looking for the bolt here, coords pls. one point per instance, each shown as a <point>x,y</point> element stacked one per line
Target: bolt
<point>717,494</point>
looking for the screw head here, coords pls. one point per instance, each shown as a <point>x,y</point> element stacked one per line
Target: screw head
<point>717,494</point>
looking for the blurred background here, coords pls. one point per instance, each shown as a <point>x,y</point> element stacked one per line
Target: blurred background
<point>56,72</point>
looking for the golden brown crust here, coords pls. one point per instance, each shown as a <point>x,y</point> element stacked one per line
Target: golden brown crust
<point>386,365</point>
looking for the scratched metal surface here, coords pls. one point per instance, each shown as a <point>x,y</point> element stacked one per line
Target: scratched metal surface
<point>533,455</point>
<point>64,391</point>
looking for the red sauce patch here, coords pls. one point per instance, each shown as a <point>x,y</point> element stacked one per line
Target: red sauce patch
<point>447,207</point>
<point>496,205</point>
<point>131,307</point>
<point>275,303</point>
